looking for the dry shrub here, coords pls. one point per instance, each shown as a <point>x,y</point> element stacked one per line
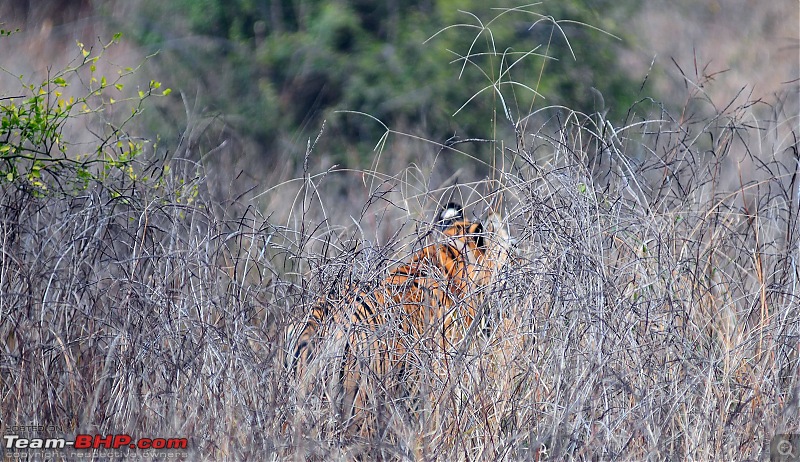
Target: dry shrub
<point>651,310</point>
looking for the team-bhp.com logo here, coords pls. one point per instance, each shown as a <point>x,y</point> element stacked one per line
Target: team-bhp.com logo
<point>94,442</point>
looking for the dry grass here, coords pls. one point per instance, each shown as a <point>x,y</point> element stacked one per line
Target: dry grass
<point>652,311</point>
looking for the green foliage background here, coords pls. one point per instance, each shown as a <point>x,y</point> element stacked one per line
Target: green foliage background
<point>277,69</point>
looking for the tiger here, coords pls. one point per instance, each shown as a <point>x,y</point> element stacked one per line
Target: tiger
<point>432,300</point>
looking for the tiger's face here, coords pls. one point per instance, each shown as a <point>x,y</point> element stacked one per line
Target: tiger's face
<point>472,249</point>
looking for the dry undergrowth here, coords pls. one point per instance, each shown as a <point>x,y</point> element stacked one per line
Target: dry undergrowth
<point>651,311</point>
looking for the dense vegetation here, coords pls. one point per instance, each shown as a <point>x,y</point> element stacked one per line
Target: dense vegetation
<point>651,312</point>
<point>277,70</point>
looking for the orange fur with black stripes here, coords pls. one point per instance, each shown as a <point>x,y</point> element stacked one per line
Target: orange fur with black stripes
<point>372,337</point>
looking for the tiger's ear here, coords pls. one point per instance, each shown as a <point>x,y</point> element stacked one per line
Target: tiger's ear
<point>450,214</point>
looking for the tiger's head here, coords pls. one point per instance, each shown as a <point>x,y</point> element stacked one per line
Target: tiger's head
<point>451,222</point>
<point>475,250</point>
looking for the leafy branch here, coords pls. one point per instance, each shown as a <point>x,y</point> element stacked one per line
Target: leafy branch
<point>34,150</point>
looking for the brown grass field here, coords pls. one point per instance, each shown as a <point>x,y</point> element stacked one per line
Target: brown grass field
<point>651,312</point>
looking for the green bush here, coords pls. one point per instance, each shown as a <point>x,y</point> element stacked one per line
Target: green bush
<point>278,70</point>
<point>35,149</point>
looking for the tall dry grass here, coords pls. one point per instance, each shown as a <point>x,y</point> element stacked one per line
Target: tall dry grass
<point>651,311</point>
